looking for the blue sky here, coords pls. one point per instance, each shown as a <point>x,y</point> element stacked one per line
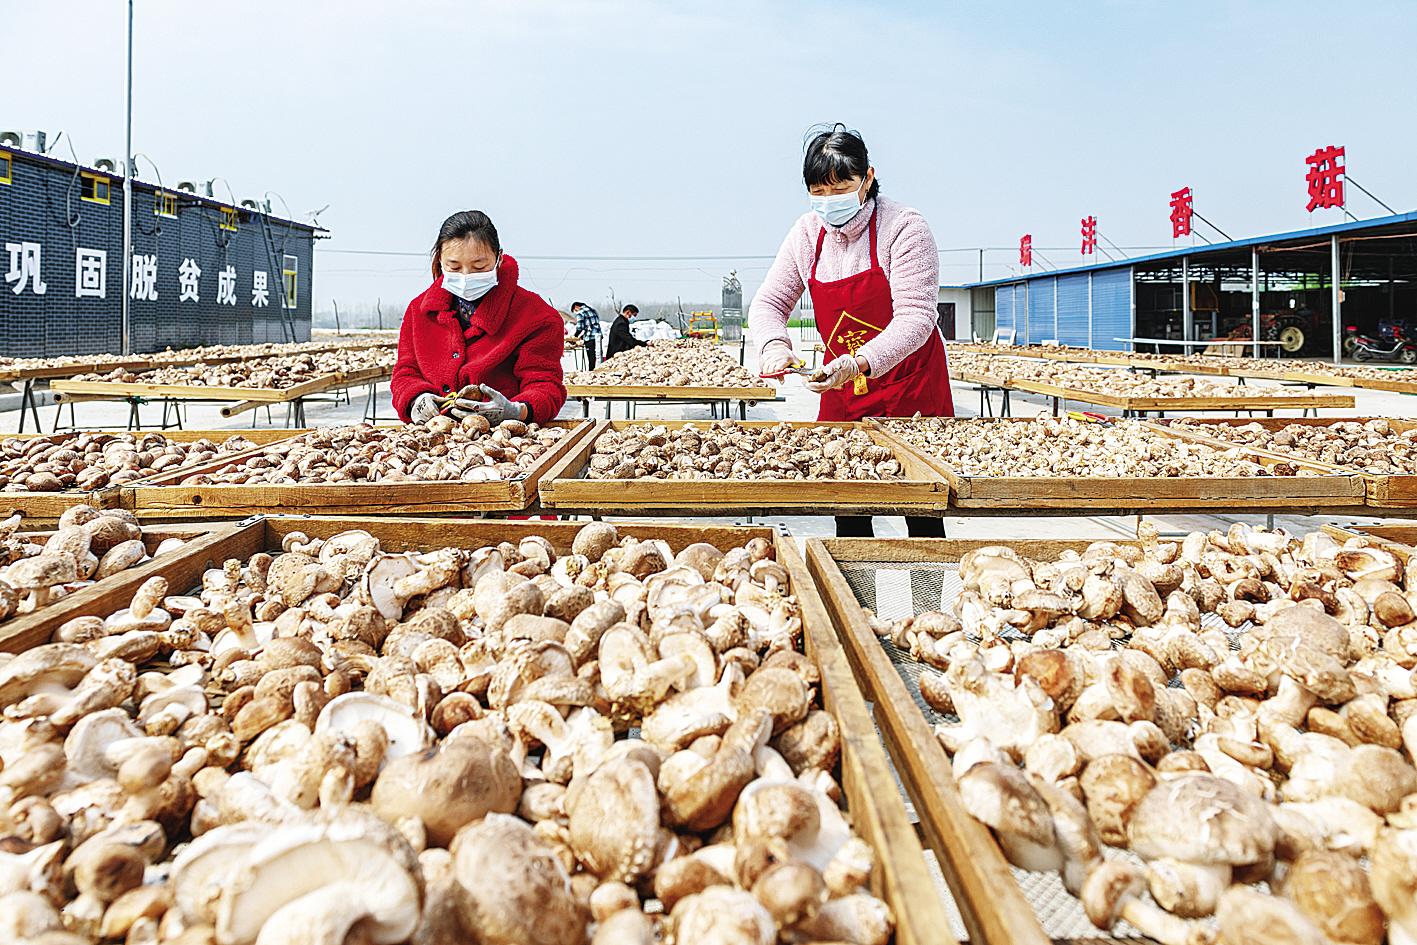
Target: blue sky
<point>639,128</point>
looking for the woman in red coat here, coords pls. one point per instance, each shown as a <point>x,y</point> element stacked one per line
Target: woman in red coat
<point>475,326</point>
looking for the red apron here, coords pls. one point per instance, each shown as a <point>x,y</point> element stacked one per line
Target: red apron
<point>852,311</point>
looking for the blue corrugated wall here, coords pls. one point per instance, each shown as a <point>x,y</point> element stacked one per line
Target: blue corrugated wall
<point>1004,307</point>
<point>1041,325</point>
<point>1111,308</point>
<point>1072,310</point>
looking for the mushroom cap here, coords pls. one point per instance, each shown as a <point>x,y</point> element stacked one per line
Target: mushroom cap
<point>44,570</point>
<point>1313,626</point>
<point>594,539</point>
<point>614,820</point>
<point>86,742</point>
<point>1001,797</point>
<point>1249,917</point>
<point>721,915</point>
<point>518,891</point>
<point>1199,818</point>
<point>407,734</point>
<point>700,556</point>
<point>777,690</point>
<point>352,861</point>
<point>62,664</point>
<point>1332,890</point>
<point>448,786</point>
<point>1393,875</point>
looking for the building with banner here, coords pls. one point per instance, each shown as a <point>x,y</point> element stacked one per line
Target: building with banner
<point>1283,282</point>
<point>204,271</point>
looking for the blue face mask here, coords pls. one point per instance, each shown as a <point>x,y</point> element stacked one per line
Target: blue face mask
<point>470,286</point>
<point>837,209</point>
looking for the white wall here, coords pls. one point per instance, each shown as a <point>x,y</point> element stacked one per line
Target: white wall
<point>964,317</point>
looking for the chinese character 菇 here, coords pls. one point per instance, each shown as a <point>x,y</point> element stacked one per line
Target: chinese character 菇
<point>187,275</point>
<point>24,268</point>
<point>1325,178</point>
<point>226,286</point>
<point>1025,250</point>
<point>260,289</point>
<point>90,273</point>
<point>144,285</point>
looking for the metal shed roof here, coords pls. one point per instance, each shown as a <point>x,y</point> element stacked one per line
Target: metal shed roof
<point>140,184</point>
<point>1395,220</point>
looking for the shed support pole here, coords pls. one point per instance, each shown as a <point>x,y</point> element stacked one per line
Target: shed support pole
<point>1337,301</point>
<point>1188,321</point>
<point>1255,299</point>
<point>125,336</point>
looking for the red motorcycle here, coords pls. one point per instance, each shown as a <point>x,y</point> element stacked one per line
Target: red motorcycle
<point>1396,345</point>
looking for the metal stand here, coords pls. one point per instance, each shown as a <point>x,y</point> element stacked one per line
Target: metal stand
<point>371,404</point>
<point>28,402</point>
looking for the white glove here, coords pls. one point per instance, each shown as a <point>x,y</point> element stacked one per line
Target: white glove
<point>495,408</point>
<point>838,372</point>
<point>423,408</point>
<point>777,356</point>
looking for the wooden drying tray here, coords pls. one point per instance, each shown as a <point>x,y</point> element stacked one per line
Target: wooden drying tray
<point>115,591</point>
<point>873,801</point>
<point>166,496</point>
<point>1182,404</point>
<point>1328,488</point>
<point>566,489</point>
<point>118,390</point>
<point>1393,386</point>
<point>1383,491</point>
<point>48,506</point>
<point>994,908</point>
<point>660,392</point>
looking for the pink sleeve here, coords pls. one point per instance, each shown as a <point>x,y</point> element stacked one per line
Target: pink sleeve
<point>780,291</point>
<point>915,290</point>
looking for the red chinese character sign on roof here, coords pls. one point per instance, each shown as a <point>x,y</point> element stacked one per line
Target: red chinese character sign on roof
<point>1089,235</point>
<point>1181,210</point>
<point>1025,250</point>
<point>1325,178</point>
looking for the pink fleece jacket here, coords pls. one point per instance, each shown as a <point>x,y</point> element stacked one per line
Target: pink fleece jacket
<point>905,248</point>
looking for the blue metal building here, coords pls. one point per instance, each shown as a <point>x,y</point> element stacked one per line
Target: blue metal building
<point>204,271</point>
<point>1282,282</point>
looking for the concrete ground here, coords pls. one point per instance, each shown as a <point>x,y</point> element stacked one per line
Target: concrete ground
<point>795,403</point>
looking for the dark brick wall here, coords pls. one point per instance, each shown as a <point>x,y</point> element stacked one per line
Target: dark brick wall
<point>42,204</point>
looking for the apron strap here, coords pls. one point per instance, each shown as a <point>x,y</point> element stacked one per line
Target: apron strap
<point>872,227</point>
<point>816,257</point>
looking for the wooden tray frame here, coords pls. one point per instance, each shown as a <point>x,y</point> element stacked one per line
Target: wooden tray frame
<point>115,390</point>
<point>114,591</point>
<point>994,908</point>
<point>874,805</point>
<point>48,506</point>
<point>1382,491</point>
<point>565,488</point>
<point>648,392</point>
<point>1330,487</point>
<point>163,497</point>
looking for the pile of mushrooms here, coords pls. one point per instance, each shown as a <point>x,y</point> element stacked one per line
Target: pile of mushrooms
<point>275,373</point>
<point>88,546</point>
<point>508,746</point>
<point>1114,381</point>
<point>440,450</point>
<point>62,461</point>
<point>1096,700</point>
<point>1050,447</point>
<point>726,449</point>
<point>676,363</point>
<point>1373,446</point>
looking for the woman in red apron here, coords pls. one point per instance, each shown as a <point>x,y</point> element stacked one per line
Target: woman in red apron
<point>871,269</point>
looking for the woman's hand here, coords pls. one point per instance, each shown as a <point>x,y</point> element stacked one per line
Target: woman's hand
<point>423,408</point>
<point>495,408</point>
<point>777,357</point>
<point>837,372</point>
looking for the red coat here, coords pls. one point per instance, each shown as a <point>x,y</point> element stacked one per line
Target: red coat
<point>513,344</point>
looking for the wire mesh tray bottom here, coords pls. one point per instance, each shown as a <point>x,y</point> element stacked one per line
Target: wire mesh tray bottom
<point>895,590</point>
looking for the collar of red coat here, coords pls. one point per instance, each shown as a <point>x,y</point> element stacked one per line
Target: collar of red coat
<point>492,310</point>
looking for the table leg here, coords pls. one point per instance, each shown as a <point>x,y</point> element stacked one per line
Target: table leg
<point>1008,408</point>
<point>135,421</point>
<point>742,410</point>
<point>27,402</point>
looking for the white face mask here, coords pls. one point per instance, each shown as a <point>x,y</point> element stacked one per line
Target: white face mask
<point>470,286</point>
<point>837,209</point>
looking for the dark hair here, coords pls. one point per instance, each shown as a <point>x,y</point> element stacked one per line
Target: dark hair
<point>631,309</point>
<point>835,153</point>
<point>575,305</point>
<point>461,225</point>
